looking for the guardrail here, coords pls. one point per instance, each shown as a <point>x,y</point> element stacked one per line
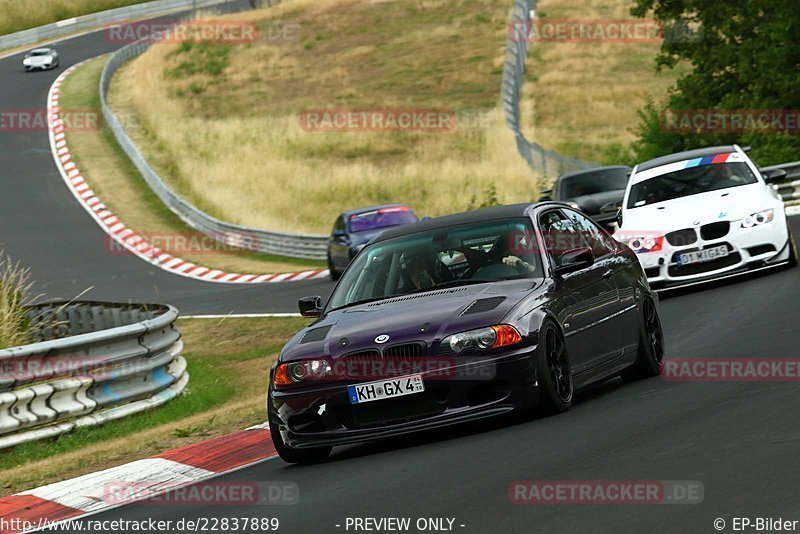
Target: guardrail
<point>283,244</point>
<point>546,162</point>
<point>91,363</point>
<point>99,19</point>
<point>789,191</point>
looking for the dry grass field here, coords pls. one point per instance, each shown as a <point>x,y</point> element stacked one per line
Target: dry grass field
<point>222,123</point>
<point>584,96</point>
<point>113,177</point>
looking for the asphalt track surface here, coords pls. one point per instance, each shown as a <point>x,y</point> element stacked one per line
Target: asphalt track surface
<point>43,227</point>
<point>740,440</point>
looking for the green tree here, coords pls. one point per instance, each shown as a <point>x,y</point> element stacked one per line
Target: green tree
<point>744,54</point>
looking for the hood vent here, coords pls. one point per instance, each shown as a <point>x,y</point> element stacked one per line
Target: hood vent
<point>316,334</point>
<point>483,305</point>
<point>417,296</point>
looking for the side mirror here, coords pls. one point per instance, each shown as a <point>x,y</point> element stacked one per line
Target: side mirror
<point>545,194</point>
<point>339,233</point>
<point>575,260</point>
<point>310,306</point>
<point>610,207</point>
<point>774,176</point>
<point>619,218</point>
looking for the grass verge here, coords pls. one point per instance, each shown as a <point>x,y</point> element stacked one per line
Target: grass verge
<point>117,182</point>
<point>228,362</point>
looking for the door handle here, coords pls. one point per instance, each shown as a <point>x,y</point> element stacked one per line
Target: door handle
<point>607,273</point>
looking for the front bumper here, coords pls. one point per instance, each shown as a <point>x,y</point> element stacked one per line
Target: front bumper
<point>748,249</point>
<point>323,416</point>
<point>38,67</point>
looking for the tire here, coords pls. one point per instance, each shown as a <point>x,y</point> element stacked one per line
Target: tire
<point>553,371</point>
<point>650,354</point>
<point>334,274</point>
<point>792,249</point>
<point>297,456</point>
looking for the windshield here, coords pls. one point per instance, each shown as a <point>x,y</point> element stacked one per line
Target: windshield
<point>691,181</point>
<point>381,218</point>
<point>39,53</point>
<point>591,183</point>
<point>446,257</point>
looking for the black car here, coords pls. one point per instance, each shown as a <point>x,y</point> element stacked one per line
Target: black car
<point>596,192</point>
<point>354,229</point>
<point>462,317</point>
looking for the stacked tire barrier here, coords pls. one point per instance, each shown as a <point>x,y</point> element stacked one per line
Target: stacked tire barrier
<point>546,163</point>
<point>91,363</point>
<point>282,244</point>
<point>100,19</point>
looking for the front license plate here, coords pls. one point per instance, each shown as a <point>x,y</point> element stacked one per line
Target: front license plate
<point>385,389</point>
<point>702,256</point>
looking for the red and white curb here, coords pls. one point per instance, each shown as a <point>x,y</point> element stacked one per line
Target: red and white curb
<point>123,235</point>
<point>88,494</point>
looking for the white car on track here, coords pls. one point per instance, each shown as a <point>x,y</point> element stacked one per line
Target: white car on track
<point>40,58</point>
<point>704,214</point>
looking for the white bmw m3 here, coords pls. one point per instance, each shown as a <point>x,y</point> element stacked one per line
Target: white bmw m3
<point>704,214</point>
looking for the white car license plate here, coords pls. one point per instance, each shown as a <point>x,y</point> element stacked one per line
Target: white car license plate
<point>701,256</point>
<point>385,389</point>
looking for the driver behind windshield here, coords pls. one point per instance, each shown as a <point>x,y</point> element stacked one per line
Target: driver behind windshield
<point>419,274</point>
<point>419,271</point>
<point>504,256</point>
<point>508,252</point>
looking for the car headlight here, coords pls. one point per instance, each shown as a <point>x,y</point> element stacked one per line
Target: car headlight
<point>304,371</point>
<point>26,61</point>
<point>762,217</point>
<point>491,337</point>
<point>644,244</point>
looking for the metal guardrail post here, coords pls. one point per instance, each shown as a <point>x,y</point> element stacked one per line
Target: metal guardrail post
<point>517,43</point>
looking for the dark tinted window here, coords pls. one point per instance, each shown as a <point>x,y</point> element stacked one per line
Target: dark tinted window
<point>600,242</point>
<point>381,218</point>
<point>445,257</point>
<point>560,235</point>
<point>691,181</point>
<point>594,182</point>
